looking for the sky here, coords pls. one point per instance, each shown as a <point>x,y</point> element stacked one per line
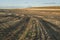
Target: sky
<point>27,3</point>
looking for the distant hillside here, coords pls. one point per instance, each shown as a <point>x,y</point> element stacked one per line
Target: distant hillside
<point>46,7</point>
<point>40,10</point>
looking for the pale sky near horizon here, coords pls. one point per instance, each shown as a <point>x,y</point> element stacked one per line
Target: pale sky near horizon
<point>27,3</point>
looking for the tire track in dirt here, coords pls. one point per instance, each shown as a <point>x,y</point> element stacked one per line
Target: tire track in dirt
<point>14,27</point>
<point>52,33</point>
<point>29,28</point>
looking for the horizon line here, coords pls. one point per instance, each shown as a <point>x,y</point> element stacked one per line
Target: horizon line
<point>18,7</point>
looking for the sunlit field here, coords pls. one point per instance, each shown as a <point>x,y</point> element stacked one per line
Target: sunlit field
<point>30,24</point>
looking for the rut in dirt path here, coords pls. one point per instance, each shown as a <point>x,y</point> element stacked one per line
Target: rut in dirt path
<point>28,28</point>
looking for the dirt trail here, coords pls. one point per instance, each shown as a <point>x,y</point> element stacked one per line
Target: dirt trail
<point>29,28</point>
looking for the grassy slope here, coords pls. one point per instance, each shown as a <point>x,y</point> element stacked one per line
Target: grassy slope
<point>45,11</point>
<point>38,12</point>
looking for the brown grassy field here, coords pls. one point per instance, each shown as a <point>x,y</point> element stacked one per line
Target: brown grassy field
<point>53,10</point>
<point>36,23</point>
